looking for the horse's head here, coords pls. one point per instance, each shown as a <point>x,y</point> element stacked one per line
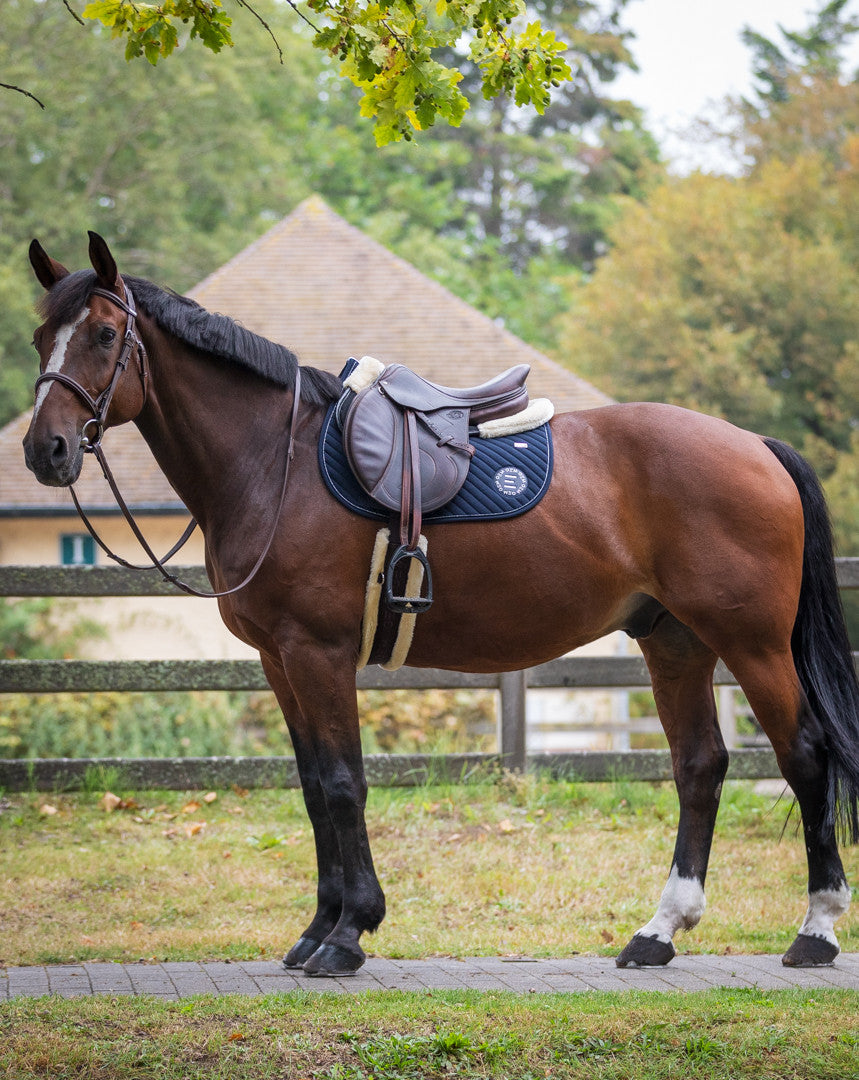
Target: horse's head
<point>85,345</point>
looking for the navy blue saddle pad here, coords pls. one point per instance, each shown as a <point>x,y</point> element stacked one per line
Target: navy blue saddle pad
<point>508,476</point>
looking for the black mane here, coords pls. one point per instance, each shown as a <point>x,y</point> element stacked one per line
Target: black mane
<point>185,319</point>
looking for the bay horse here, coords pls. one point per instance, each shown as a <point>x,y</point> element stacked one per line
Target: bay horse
<point>697,538</point>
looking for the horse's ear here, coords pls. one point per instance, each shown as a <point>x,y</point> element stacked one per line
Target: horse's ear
<point>47,270</point>
<point>103,263</point>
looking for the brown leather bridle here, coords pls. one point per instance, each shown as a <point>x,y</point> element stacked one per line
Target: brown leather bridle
<point>100,406</point>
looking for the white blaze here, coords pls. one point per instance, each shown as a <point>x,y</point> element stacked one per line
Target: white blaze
<point>58,357</point>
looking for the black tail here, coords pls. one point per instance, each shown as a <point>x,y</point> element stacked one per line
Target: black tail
<point>821,649</point>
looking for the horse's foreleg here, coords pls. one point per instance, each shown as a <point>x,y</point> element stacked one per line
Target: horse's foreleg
<point>323,721</point>
<point>681,669</point>
<point>329,888</point>
<point>772,688</point>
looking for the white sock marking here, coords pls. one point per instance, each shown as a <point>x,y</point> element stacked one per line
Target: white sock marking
<point>824,909</point>
<point>58,357</point>
<point>680,908</point>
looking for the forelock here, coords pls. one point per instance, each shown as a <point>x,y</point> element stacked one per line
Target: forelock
<point>63,302</point>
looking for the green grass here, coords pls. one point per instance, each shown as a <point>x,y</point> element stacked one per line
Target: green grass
<point>406,1036</point>
<point>516,866</point>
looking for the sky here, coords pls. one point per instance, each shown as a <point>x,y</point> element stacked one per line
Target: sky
<point>690,58</point>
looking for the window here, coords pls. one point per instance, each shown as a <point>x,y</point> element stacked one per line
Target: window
<point>77,549</point>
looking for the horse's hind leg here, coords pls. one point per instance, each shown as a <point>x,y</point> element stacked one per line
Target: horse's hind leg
<point>681,669</point>
<point>771,685</point>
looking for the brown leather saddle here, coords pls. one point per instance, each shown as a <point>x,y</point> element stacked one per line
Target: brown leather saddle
<point>406,440</point>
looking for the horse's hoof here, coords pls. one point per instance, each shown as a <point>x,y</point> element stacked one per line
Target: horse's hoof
<point>300,952</point>
<point>333,961</point>
<point>646,952</point>
<point>809,951</point>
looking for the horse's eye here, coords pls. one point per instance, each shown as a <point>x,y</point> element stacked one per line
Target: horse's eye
<point>106,336</point>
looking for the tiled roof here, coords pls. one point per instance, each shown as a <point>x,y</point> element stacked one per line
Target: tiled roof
<point>140,480</point>
<point>326,290</point>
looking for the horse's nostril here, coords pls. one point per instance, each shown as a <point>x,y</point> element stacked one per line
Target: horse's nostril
<point>59,450</point>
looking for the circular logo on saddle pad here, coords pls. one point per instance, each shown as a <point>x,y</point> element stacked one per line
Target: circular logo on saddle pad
<point>511,482</point>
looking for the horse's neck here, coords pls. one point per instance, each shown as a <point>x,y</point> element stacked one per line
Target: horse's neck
<point>216,432</point>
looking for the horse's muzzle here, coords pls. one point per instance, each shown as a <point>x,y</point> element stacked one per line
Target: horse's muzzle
<point>53,460</point>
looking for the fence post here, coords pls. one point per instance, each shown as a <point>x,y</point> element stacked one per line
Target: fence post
<point>511,722</point>
<point>620,703</point>
<point>728,716</point>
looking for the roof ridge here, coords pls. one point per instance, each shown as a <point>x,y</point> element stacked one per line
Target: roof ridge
<point>297,214</point>
<point>318,206</point>
<point>315,277</point>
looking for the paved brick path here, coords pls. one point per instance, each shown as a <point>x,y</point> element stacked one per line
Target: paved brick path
<point>177,980</point>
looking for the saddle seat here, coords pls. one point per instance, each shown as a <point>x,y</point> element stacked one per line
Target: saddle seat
<point>406,440</point>
<point>502,395</point>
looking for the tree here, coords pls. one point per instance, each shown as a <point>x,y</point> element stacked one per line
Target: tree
<point>180,166</point>
<point>388,49</point>
<point>812,54</point>
<point>737,295</point>
<point>733,297</point>
<point>841,489</point>
<point>42,629</point>
<point>802,102</point>
<point>645,326</point>
<point>547,182</point>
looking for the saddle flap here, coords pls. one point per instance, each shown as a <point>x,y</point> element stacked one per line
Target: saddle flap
<point>374,434</point>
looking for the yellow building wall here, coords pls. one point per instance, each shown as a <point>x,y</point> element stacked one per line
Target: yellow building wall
<point>136,628</point>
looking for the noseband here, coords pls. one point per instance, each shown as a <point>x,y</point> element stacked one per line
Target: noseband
<point>100,405</point>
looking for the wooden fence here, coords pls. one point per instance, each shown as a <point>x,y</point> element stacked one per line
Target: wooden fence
<point>579,672</point>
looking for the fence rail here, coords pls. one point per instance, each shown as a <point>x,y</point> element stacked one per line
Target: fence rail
<point>579,672</point>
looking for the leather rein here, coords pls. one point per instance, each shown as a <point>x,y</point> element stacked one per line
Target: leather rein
<point>99,407</point>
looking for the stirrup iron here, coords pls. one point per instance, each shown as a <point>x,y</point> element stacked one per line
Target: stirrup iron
<point>408,605</point>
